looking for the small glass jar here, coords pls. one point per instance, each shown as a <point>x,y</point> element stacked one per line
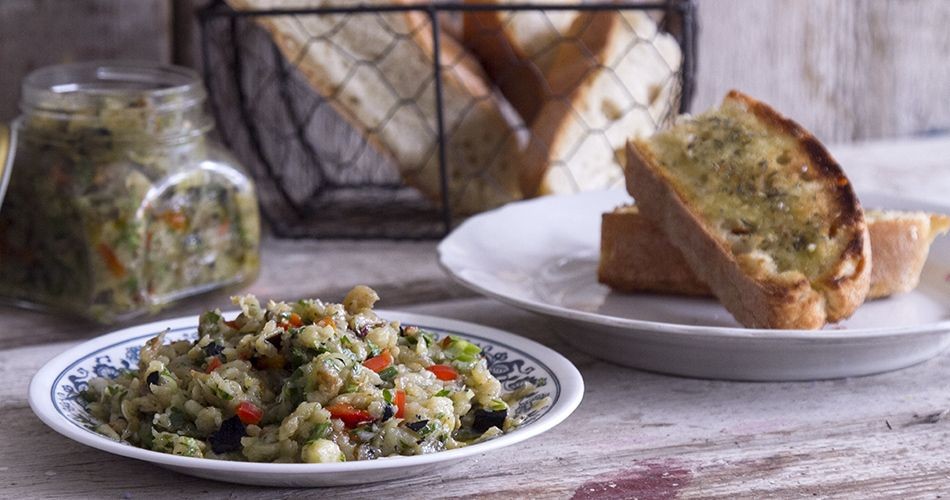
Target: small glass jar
<point>118,202</point>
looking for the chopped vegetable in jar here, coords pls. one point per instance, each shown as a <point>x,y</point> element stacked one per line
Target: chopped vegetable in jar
<point>118,203</point>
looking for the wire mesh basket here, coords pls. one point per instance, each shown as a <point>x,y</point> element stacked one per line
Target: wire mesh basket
<point>397,120</point>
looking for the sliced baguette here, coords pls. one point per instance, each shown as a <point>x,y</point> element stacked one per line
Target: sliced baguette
<point>616,80</point>
<point>376,72</point>
<point>516,48</point>
<point>900,242</point>
<point>760,211</point>
<point>636,257</point>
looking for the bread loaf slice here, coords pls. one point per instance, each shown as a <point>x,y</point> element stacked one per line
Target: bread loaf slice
<point>376,71</point>
<point>517,48</point>
<point>635,256</point>
<point>760,211</point>
<point>900,243</point>
<point>617,79</point>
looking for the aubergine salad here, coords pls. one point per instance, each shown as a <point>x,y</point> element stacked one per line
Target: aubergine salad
<point>305,382</point>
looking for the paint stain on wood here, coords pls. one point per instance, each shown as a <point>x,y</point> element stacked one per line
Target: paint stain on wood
<point>645,481</point>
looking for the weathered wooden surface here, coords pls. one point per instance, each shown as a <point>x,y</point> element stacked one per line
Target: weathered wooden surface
<point>636,434</point>
<point>36,33</point>
<point>846,70</point>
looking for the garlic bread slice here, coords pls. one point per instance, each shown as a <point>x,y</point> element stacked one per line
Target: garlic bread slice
<point>760,211</point>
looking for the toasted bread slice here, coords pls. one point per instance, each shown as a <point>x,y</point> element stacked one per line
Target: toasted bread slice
<point>760,211</point>
<point>635,256</point>
<point>900,242</point>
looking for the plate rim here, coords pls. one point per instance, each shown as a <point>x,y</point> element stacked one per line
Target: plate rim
<point>43,381</point>
<point>635,326</point>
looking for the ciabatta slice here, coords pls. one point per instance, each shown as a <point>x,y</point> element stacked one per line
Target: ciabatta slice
<point>760,211</point>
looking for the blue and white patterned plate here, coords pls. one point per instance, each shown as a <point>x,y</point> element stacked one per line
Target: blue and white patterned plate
<point>55,389</point>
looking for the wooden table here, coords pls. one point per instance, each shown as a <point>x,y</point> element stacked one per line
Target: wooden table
<point>636,434</point>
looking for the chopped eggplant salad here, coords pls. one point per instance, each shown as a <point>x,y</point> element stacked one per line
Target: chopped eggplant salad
<point>304,382</point>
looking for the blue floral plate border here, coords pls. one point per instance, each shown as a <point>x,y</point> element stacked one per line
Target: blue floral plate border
<point>55,398</point>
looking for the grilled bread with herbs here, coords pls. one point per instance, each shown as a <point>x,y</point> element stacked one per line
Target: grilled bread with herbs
<point>635,256</point>
<point>760,211</point>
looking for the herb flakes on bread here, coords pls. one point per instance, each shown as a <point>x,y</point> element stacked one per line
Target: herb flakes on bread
<point>635,256</point>
<point>760,211</point>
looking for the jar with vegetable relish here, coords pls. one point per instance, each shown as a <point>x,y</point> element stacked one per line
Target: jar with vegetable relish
<point>118,202</point>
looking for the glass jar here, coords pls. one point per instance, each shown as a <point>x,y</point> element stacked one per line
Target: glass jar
<point>118,202</point>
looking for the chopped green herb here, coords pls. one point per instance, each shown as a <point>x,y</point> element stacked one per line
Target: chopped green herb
<point>389,373</point>
<point>221,393</point>
<point>298,356</point>
<point>373,349</point>
<point>177,418</point>
<point>320,431</point>
<point>462,350</point>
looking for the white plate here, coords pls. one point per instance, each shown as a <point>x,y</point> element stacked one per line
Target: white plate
<point>541,255</point>
<point>54,397</point>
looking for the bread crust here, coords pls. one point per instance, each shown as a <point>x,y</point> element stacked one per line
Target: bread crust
<point>637,257</point>
<point>482,139</point>
<point>568,83</point>
<point>900,245</point>
<point>579,134</point>
<point>760,299</point>
<point>519,78</point>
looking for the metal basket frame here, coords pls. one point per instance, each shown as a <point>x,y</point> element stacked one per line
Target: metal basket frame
<point>684,9</point>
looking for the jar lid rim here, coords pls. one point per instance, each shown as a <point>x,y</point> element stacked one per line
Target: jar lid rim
<point>71,85</point>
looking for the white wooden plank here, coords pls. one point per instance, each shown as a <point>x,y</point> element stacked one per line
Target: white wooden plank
<point>845,70</point>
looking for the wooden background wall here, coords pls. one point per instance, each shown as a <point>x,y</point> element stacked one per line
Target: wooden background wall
<point>855,69</point>
<point>848,70</point>
<point>35,33</point>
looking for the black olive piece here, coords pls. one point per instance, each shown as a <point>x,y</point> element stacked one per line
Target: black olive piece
<point>257,362</point>
<point>388,412</point>
<point>362,331</point>
<point>485,420</point>
<point>418,425</point>
<point>276,340</point>
<point>154,378</point>
<point>213,349</point>
<point>228,437</point>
